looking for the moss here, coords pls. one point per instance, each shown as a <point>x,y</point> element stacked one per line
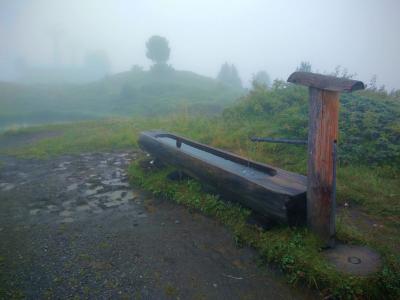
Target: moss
<point>170,291</point>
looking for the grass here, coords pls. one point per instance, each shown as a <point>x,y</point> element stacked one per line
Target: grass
<point>373,194</point>
<point>295,250</point>
<point>78,137</point>
<point>131,93</point>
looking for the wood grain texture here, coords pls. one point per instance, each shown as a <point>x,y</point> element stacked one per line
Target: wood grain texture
<point>325,82</point>
<point>281,197</point>
<point>323,132</point>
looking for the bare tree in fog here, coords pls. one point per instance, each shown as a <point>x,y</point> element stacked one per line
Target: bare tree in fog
<point>228,74</point>
<point>305,66</point>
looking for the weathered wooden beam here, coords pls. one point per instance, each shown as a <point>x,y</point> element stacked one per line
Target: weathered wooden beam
<point>274,193</point>
<point>322,138</point>
<point>322,134</point>
<point>325,82</point>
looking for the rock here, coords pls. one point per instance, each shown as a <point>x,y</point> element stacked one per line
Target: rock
<point>65,213</point>
<point>52,207</point>
<point>83,208</point>
<point>4,186</point>
<point>111,204</point>
<point>67,220</point>
<point>33,212</point>
<point>72,187</point>
<point>98,210</point>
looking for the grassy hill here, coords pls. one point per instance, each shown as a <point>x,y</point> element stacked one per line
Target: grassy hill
<point>133,93</point>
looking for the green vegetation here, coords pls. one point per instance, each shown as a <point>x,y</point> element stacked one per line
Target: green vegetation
<point>75,138</point>
<point>158,49</point>
<point>294,250</point>
<point>134,93</point>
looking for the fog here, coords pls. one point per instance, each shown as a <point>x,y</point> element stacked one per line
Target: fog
<point>360,35</point>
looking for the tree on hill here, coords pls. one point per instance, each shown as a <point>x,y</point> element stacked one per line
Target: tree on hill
<point>157,49</point>
<point>228,74</point>
<point>305,66</point>
<point>262,78</point>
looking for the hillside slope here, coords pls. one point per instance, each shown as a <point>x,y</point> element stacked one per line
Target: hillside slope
<point>132,93</point>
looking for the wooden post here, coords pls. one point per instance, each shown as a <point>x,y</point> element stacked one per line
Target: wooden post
<point>322,135</point>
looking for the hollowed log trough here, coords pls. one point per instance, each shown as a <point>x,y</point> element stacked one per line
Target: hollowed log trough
<point>271,192</point>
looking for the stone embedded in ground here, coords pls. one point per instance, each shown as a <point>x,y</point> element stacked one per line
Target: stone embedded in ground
<point>4,186</point>
<point>354,260</point>
<point>111,204</point>
<point>34,212</point>
<point>68,203</point>
<point>91,192</point>
<point>93,203</point>
<point>97,210</point>
<point>67,220</point>
<point>52,207</point>
<point>65,213</point>
<point>72,187</point>
<point>83,207</point>
<point>115,182</point>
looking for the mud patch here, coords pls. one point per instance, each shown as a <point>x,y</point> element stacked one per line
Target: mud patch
<point>70,188</point>
<point>72,227</point>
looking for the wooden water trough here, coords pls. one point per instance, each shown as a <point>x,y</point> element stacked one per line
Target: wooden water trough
<point>277,194</point>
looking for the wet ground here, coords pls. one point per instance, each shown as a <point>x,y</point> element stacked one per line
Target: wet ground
<point>72,227</point>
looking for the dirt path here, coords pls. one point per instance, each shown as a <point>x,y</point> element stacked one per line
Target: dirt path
<point>71,227</point>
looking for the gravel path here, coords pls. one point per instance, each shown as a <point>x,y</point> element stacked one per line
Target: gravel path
<point>72,227</point>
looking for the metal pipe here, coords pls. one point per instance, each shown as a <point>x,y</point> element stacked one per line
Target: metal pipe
<point>278,140</point>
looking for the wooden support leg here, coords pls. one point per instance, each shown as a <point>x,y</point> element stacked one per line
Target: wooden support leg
<point>323,132</point>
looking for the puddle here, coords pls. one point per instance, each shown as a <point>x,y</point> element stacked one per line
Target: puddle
<point>78,186</point>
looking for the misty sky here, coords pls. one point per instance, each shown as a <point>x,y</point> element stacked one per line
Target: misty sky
<point>361,35</point>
